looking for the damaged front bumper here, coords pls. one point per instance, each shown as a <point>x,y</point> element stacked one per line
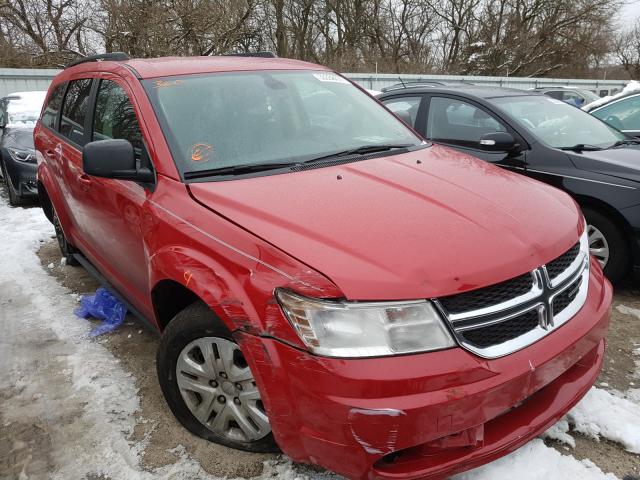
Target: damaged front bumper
<point>427,415</point>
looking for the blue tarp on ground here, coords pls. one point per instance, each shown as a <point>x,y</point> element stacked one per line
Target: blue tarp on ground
<point>103,306</point>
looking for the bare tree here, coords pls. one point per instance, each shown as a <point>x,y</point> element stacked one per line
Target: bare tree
<point>627,50</point>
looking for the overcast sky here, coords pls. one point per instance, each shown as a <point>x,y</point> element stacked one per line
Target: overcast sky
<point>630,12</point>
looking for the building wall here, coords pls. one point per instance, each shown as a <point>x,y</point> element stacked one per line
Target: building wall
<point>24,79</point>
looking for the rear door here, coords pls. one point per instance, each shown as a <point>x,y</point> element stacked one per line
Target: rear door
<point>66,152</point>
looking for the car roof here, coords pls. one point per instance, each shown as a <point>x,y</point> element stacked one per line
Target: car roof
<point>558,87</point>
<point>170,66</point>
<point>477,91</point>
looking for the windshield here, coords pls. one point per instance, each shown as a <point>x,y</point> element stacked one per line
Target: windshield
<point>228,119</point>
<point>23,109</point>
<point>558,124</point>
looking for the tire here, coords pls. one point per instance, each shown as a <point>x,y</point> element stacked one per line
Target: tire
<point>15,199</point>
<point>194,327</point>
<point>603,234</point>
<point>66,249</point>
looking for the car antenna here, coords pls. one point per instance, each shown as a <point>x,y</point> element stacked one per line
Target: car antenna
<point>402,82</point>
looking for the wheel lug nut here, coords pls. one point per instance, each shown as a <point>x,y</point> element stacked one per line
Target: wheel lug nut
<point>236,401</point>
<point>221,399</point>
<point>223,375</point>
<point>213,383</point>
<point>238,386</point>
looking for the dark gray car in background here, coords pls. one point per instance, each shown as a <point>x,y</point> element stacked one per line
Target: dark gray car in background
<point>18,115</point>
<point>546,139</point>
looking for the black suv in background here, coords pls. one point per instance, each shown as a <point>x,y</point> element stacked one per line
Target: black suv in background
<point>547,139</point>
<point>18,115</point>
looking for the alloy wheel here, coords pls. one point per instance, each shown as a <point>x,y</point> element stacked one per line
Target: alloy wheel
<point>598,245</point>
<point>218,387</point>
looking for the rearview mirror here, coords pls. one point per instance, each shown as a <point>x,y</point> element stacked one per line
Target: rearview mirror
<point>113,159</point>
<point>498,142</point>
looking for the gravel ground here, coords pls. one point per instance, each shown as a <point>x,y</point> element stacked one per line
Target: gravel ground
<point>29,439</point>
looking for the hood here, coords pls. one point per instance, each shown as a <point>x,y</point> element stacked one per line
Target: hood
<point>621,162</point>
<point>392,228</point>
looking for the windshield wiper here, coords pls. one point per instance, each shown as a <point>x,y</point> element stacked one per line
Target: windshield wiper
<point>626,141</point>
<point>582,147</point>
<point>362,150</point>
<point>261,167</point>
<point>236,169</point>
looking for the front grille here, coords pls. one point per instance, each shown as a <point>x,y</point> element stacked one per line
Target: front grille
<point>488,296</point>
<point>493,321</point>
<point>560,264</point>
<point>564,299</point>
<point>503,331</point>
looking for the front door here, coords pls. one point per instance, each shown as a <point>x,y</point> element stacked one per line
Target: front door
<point>112,209</point>
<point>461,124</point>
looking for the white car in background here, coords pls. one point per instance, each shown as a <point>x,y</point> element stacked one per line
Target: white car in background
<point>621,111</point>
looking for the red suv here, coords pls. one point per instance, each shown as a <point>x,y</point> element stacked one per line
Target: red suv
<point>325,282</point>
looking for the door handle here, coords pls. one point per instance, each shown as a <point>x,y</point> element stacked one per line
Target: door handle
<point>50,153</point>
<point>84,180</point>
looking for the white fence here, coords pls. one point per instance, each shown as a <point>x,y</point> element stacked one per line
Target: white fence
<point>19,79</point>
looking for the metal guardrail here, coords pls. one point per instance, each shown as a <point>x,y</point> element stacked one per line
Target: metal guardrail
<point>29,79</point>
<point>379,81</point>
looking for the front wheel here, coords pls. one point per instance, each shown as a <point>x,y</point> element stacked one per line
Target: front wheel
<point>208,383</point>
<point>14,197</point>
<point>607,244</point>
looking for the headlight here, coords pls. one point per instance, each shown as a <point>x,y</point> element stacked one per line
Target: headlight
<point>358,329</point>
<point>22,155</point>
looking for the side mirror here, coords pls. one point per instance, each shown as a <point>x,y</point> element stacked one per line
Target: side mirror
<point>498,142</point>
<point>113,159</point>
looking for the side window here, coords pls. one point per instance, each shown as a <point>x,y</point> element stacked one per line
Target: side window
<point>405,108</point>
<point>115,117</point>
<point>460,123</point>
<point>74,110</point>
<point>50,114</point>
<point>572,98</point>
<point>554,94</point>
<point>623,114</point>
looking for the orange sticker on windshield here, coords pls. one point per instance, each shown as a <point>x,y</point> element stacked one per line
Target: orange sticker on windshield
<point>200,152</point>
<point>168,83</point>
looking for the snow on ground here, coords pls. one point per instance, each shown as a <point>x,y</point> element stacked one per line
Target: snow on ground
<point>631,87</point>
<point>87,403</point>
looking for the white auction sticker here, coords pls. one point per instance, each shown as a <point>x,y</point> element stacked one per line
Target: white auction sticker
<point>330,77</point>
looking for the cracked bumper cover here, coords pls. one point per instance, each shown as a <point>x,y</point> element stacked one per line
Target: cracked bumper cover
<point>426,415</point>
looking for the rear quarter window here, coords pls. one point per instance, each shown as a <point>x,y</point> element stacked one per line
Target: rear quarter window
<point>50,114</point>
<point>74,110</point>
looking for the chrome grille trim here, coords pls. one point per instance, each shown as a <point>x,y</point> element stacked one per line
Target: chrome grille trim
<point>540,298</point>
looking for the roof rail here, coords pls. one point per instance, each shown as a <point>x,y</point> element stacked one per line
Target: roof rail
<point>263,54</point>
<point>115,56</point>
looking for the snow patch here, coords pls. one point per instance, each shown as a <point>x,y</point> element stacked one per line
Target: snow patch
<point>535,461</point>
<point>628,311</point>
<point>601,414</point>
<point>560,432</point>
